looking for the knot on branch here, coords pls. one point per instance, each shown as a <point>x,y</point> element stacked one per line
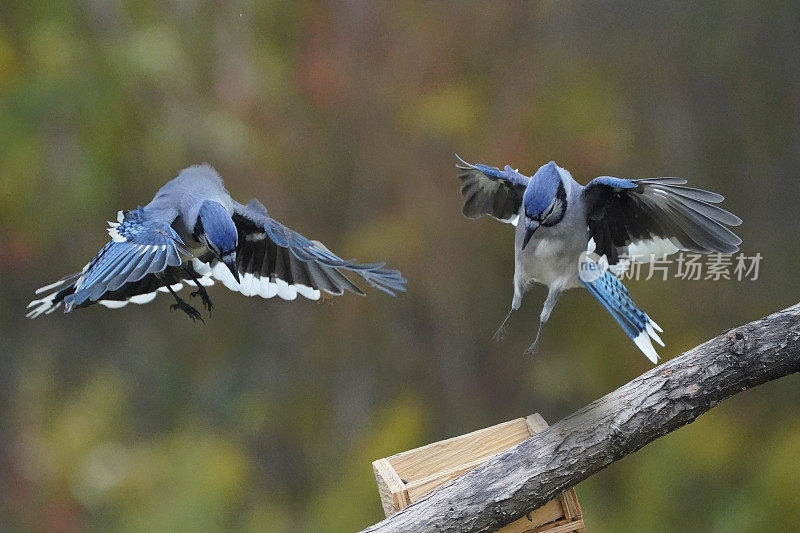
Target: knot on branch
<point>739,342</point>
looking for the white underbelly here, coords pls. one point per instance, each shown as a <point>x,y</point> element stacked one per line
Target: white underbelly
<point>551,261</point>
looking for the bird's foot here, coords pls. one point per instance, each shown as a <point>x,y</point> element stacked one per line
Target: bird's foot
<point>532,349</point>
<point>193,313</point>
<point>201,291</point>
<point>499,334</point>
<point>501,331</point>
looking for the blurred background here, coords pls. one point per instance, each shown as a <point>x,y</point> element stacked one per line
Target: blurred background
<point>343,118</point>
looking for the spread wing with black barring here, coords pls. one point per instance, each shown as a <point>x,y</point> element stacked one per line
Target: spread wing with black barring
<point>130,265</point>
<point>273,260</point>
<point>656,215</point>
<point>491,191</point>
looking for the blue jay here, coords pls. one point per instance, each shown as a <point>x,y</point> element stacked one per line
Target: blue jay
<point>558,222</point>
<point>193,233</point>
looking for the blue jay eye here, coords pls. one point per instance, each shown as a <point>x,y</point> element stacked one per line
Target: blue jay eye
<point>211,246</point>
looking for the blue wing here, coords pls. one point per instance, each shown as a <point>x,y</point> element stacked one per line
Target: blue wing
<point>141,257</point>
<point>609,181</point>
<point>138,247</point>
<point>656,215</point>
<point>491,191</point>
<point>273,260</point>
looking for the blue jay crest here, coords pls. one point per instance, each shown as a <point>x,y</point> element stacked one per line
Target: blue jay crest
<point>545,191</point>
<point>577,236</point>
<point>215,223</point>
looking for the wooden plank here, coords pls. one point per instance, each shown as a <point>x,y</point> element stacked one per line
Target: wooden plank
<point>451,453</point>
<point>417,489</point>
<point>559,527</point>
<point>572,509</point>
<point>562,499</point>
<point>391,488</point>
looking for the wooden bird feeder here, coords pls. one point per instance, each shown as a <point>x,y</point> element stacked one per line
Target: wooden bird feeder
<point>405,477</point>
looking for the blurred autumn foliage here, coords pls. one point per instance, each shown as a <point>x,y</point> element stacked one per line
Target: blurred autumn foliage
<point>343,118</point>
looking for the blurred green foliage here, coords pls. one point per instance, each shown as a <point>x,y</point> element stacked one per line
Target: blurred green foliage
<point>343,118</point>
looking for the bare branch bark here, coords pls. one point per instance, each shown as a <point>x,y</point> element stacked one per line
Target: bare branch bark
<point>652,405</point>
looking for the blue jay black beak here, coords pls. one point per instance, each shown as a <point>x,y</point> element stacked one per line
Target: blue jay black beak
<point>230,262</point>
<point>529,231</point>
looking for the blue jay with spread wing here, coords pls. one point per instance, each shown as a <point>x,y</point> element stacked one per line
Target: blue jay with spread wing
<point>559,221</point>
<point>193,233</point>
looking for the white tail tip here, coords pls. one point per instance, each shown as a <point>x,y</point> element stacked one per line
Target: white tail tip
<point>642,340</point>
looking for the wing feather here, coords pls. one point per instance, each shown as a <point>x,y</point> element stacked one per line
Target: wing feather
<point>138,247</point>
<point>623,215</point>
<point>491,191</point>
<point>275,261</point>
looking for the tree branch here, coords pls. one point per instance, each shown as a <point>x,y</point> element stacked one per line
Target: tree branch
<point>652,405</point>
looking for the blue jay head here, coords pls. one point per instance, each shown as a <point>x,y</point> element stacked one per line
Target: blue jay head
<point>215,229</point>
<point>545,200</point>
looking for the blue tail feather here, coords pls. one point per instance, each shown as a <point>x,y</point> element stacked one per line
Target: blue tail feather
<point>616,299</point>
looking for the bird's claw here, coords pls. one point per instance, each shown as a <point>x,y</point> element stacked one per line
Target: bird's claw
<point>193,313</point>
<point>206,299</point>
<point>532,349</point>
<point>499,334</point>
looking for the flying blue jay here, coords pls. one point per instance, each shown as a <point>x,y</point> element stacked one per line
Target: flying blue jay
<point>558,221</point>
<point>193,233</point>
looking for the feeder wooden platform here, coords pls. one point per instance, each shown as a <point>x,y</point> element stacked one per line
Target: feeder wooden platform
<point>405,477</point>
